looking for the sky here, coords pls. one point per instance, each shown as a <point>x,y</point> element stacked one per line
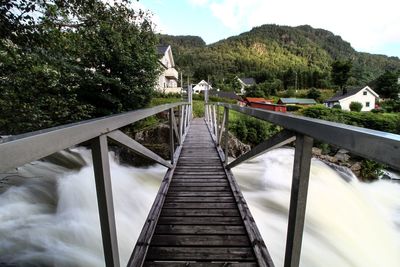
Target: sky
<point>371,26</point>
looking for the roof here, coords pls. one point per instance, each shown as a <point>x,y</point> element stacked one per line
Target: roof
<point>229,95</point>
<point>339,95</point>
<point>248,81</point>
<point>161,49</point>
<point>297,101</point>
<point>256,100</point>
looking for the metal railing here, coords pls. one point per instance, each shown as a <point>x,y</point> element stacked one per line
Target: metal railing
<point>376,145</point>
<point>18,150</point>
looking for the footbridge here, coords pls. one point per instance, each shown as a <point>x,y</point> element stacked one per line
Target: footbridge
<point>199,216</point>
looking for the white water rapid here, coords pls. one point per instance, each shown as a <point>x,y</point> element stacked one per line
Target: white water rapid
<point>51,218</point>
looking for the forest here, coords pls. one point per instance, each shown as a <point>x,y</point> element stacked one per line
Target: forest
<point>279,57</point>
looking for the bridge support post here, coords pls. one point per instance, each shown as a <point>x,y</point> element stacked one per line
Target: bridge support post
<point>171,135</point>
<point>298,199</point>
<point>105,201</point>
<point>181,114</point>
<point>226,137</point>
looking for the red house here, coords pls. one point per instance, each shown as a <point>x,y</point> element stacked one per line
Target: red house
<point>259,102</point>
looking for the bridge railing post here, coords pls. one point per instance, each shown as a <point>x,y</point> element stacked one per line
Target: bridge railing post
<point>226,136</point>
<point>181,114</point>
<point>171,135</point>
<point>298,199</point>
<point>215,120</point>
<point>102,177</point>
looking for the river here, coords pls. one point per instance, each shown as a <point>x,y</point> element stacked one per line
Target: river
<point>49,218</point>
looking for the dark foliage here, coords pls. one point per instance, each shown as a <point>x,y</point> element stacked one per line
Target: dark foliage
<point>64,61</point>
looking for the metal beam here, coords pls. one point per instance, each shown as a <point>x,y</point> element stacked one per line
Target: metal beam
<point>175,127</point>
<point>222,128</point>
<point>280,139</point>
<point>226,139</point>
<point>380,146</point>
<point>171,135</point>
<point>181,114</point>
<point>298,199</point>
<point>215,120</point>
<point>17,150</point>
<point>105,201</point>
<point>124,140</point>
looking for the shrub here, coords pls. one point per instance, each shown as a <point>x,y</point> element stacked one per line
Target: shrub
<point>337,106</point>
<point>252,131</point>
<point>356,106</point>
<point>293,108</point>
<point>371,170</point>
<point>314,94</point>
<point>376,121</point>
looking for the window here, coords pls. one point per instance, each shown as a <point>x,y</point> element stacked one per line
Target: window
<point>367,104</point>
<point>365,93</point>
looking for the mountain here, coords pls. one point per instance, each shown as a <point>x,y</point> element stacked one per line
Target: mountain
<point>281,55</point>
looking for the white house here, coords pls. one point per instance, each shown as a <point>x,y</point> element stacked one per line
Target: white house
<point>366,96</point>
<point>245,82</point>
<point>168,80</point>
<point>201,87</point>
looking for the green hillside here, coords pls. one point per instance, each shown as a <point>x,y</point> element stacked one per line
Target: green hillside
<point>275,54</point>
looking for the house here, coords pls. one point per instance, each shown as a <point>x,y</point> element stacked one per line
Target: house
<point>250,100</point>
<point>168,79</point>
<point>262,103</point>
<point>297,101</point>
<point>269,106</point>
<point>245,82</point>
<point>226,95</point>
<point>365,95</point>
<point>201,87</point>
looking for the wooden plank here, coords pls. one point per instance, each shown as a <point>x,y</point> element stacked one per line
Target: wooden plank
<point>199,194</point>
<point>198,168</point>
<point>199,189</point>
<point>176,184</point>
<point>199,264</point>
<point>200,174</point>
<point>200,199</point>
<point>194,205</point>
<point>199,177</point>
<point>201,221</point>
<point>201,229</point>
<point>199,180</point>
<point>201,240</point>
<point>200,253</point>
<point>199,212</point>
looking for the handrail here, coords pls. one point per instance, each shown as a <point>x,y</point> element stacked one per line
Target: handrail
<point>18,150</point>
<point>380,146</point>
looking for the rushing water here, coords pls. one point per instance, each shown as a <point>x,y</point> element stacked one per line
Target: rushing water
<point>51,219</point>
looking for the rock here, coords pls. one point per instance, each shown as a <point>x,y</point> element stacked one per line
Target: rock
<point>356,167</point>
<point>316,151</point>
<point>155,138</point>
<point>342,151</point>
<point>158,135</point>
<point>342,155</point>
<point>235,147</point>
<point>330,159</point>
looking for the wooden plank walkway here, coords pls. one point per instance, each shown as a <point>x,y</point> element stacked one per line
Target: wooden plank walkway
<point>200,222</point>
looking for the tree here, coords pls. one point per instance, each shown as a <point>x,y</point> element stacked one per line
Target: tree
<point>254,91</point>
<point>341,73</point>
<point>66,61</point>
<point>387,85</point>
<point>355,106</point>
<point>314,93</point>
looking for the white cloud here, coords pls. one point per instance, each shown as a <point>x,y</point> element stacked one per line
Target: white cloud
<point>199,2</point>
<point>367,24</point>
